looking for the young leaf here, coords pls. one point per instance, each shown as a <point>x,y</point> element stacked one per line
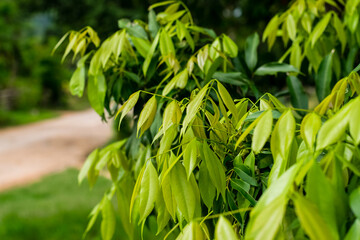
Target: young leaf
<point>320,28</point>
<point>172,115</point>
<point>88,166</point>
<point>193,108</point>
<point>280,143</point>
<point>147,115</point>
<point>150,54</point>
<point>230,48</point>
<point>215,168</point>
<point>190,157</point>
<point>310,219</point>
<point>291,26</point>
<point>224,230</point>
<point>334,128</point>
<point>207,191</point>
<point>149,188</point>
<point>128,105</point>
<point>309,128</point>
<point>354,125</point>
<point>108,219</point>
<point>251,45</point>
<point>229,102</point>
<point>262,131</point>
<point>183,192</point>
<point>193,231</point>
<point>96,92</point>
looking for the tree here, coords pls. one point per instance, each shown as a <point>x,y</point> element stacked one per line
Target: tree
<point>201,165</point>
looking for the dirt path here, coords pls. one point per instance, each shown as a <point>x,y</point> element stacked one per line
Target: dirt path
<point>29,152</point>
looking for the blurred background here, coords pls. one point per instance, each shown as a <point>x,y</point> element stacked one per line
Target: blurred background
<point>34,87</point>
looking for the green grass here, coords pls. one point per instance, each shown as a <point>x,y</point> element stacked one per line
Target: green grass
<point>11,118</point>
<point>54,208</point>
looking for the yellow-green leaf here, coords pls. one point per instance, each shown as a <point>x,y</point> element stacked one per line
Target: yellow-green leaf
<point>150,53</point>
<point>149,188</point>
<point>224,230</point>
<point>291,27</point>
<point>190,157</point>
<point>128,105</point>
<point>230,47</point>
<point>309,128</point>
<point>310,219</point>
<point>147,115</point>
<point>183,192</point>
<point>262,131</point>
<point>229,102</point>
<point>108,219</point>
<point>319,28</point>
<point>172,115</point>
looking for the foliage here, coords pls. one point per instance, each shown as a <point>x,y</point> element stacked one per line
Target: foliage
<point>201,165</point>
<point>53,208</point>
<point>325,33</point>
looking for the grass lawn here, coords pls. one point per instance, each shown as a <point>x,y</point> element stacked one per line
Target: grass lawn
<point>54,208</point>
<point>11,118</point>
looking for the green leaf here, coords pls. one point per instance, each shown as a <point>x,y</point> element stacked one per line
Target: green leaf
<point>149,188</point>
<point>334,128</point>
<point>324,76</point>
<point>96,92</point>
<point>205,31</point>
<point>142,45</point>
<point>310,219</point>
<point>108,219</point>
<point>183,192</point>
<point>274,68</point>
<point>298,96</point>
<point>230,48</point>
<point>354,125</point>
<point>266,217</point>
<point>354,232</point>
<point>133,29</point>
<point>77,81</point>
<point>339,28</point>
<point>193,107</point>
<point>224,230</point>
<point>229,102</point>
<point>238,185</point>
<point>153,25</point>
<point>167,48</point>
<point>172,115</point>
<point>355,202</point>
<point>309,128</point>
<point>190,157</point>
<point>271,31</point>
<point>147,115</point>
<point>193,231</point>
<point>265,223</point>
<point>262,131</point>
<point>150,54</point>
<point>319,28</point>
<point>280,143</point>
<point>291,27</point>
<point>128,105</point>
<point>320,192</point>
<point>215,168</point>
<point>251,45</point>
<point>207,191</point>
<point>88,166</point>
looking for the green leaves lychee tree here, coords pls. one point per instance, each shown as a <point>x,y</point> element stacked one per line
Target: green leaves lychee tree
<point>210,156</point>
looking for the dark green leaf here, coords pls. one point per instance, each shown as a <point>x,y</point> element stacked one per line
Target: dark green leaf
<point>251,45</point>
<point>324,76</point>
<point>298,96</point>
<point>274,68</point>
